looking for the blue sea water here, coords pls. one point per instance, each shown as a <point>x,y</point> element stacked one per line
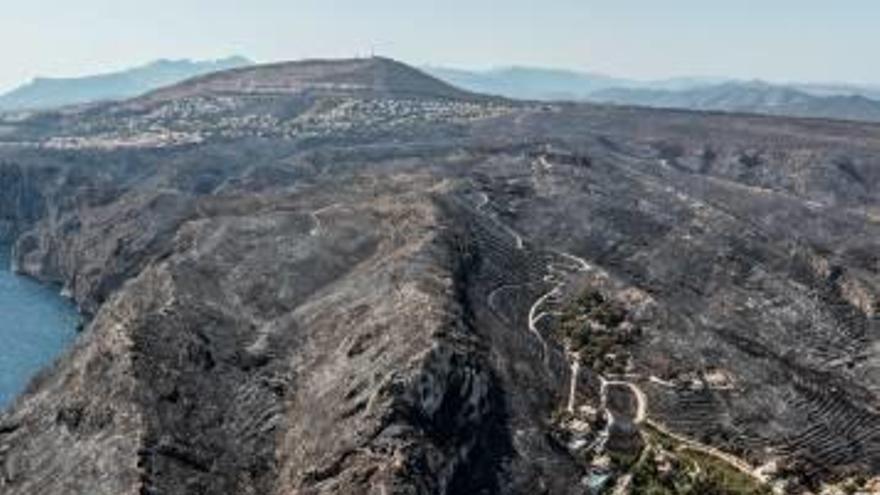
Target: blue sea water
<point>36,325</point>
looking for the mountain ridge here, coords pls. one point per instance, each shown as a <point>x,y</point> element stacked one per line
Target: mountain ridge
<point>606,81</point>
<point>809,100</point>
<point>48,92</point>
<point>749,97</point>
<point>167,76</point>
<point>377,75</point>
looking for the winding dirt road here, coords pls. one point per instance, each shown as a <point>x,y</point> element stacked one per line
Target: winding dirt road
<point>558,272</point>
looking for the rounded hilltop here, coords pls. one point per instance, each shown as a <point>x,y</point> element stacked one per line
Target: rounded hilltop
<point>374,76</point>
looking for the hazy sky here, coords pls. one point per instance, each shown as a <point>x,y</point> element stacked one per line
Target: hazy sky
<point>820,40</point>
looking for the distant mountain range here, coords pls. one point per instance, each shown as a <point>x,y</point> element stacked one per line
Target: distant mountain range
<point>834,101</point>
<point>749,98</point>
<point>552,84</point>
<point>528,83</point>
<point>43,93</point>
<point>872,92</point>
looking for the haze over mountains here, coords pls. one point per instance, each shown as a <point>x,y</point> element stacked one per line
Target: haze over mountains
<point>749,97</point>
<point>840,101</point>
<point>533,83</point>
<point>43,93</point>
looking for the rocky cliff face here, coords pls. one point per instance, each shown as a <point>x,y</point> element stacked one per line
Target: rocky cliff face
<point>393,294</point>
<point>227,366</point>
<point>22,201</point>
